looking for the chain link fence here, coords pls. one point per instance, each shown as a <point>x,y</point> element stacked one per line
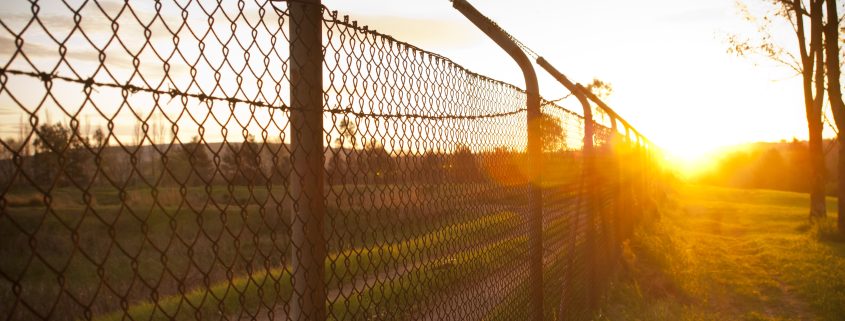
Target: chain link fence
<point>175,160</point>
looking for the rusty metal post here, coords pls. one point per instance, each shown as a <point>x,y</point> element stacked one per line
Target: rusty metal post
<point>642,164</point>
<point>628,210</point>
<point>591,201</point>
<point>535,152</point>
<point>616,214</point>
<point>308,244</point>
<point>578,91</point>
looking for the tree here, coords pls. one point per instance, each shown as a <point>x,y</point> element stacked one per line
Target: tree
<point>340,162</point>
<point>200,163</point>
<point>376,160</point>
<point>281,167</point>
<point>243,164</point>
<point>553,135</point>
<point>834,88</point>
<point>432,167</point>
<point>60,155</point>
<point>507,167</point>
<point>8,148</point>
<point>809,64</point>
<point>348,130</point>
<point>175,166</point>
<point>104,159</point>
<point>770,171</point>
<point>600,88</point>
<point>112,164</point>
<point>463,165</point>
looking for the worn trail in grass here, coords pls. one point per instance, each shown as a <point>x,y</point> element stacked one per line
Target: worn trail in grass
<point>728,254</point>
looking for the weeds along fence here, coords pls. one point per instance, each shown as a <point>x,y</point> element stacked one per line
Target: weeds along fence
<point>260,160</point>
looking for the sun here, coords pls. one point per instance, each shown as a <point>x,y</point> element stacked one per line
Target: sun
<point>689,155</point>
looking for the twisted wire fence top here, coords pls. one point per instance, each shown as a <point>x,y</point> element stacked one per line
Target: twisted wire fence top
<point>145,171</point>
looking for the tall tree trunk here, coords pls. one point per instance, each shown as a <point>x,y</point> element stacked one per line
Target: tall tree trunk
<point>840,190</point>
<point>812,64</point>
<point>817,46</point>
<point>834,90</point>
<point>818,208</point>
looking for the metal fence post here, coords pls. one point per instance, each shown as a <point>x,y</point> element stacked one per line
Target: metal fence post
<point>612,217</point>
<point>623,210</point>
<point>535,152</point>
<point>590,170</point>
<point>567,313</point>
<point>642,159</point>
<point>308,244</point>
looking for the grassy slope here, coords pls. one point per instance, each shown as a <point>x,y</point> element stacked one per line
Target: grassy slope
<point>363,243</point>
<point>727,254</point>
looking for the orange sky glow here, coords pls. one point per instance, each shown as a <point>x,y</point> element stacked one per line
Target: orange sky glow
<point>667,60</point>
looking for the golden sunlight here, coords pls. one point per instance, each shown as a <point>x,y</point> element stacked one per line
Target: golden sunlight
<point>422,160</point>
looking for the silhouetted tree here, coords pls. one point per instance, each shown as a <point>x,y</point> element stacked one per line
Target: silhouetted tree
<point>809,62</point>
<point>342,160</point>
<point>104,159</point>
<point>280,170</point>
<point>375,161</point>
<point>243,164</point>
<point>7,166</point>
<point>432,167</point>
<point>463,166</point>
<point>348,134</point>
<point>60,155</point>
<point>834,87</point>
<point>771,171</point>
<point>553,135</point>
<point>338,166</point>
<point>600,88</point>
<point>201,166</point>
<point>502,165</point>
<point>176,165</point>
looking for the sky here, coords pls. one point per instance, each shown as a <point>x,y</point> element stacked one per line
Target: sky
<point>667,61</point>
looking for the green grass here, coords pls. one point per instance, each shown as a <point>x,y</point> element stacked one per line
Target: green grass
<point>516,304</point>
<point>343,266</point>
<point>393,298</point>
<point>131,244</point>
<point>728,254</point>
<point>212,250</point>
<point>247,293</point>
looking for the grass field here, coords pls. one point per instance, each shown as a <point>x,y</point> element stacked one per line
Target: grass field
<point>222,250</point>
<point>727,254</point>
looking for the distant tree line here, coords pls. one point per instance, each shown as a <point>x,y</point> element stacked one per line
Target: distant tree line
<point>60,155</point>
<point>778,166</point>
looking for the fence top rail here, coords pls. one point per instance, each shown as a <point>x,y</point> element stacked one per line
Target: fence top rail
<point>568,84</point>
<point>334,17</point>
<point>365,29</point>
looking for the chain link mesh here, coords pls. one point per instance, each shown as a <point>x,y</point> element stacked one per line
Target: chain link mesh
<point>146,171</point>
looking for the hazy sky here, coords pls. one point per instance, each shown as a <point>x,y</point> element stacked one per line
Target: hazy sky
<point>666,59</point>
